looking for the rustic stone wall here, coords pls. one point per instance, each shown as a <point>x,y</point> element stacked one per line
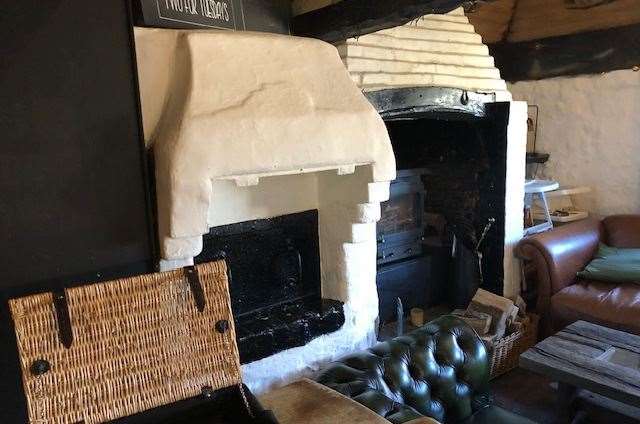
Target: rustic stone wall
<point>590,125</point>
<point>435,50</point>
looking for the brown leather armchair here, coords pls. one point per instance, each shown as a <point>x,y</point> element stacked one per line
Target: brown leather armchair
<point>563,297</point>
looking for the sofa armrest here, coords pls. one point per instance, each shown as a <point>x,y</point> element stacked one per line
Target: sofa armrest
<point>558,255</point>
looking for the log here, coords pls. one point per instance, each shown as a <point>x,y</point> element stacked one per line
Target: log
<point>480,321</point>
<point>352,18</point>
<point>502,310</point>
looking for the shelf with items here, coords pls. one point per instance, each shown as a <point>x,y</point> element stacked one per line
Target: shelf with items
<point>562,206</point>
<point>537,217</point>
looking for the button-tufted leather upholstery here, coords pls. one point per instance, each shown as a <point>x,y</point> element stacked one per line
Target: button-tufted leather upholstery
<point>439,370</point>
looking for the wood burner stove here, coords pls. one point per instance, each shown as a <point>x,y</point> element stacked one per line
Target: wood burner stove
<point>455,141</point>
<point>403,267</point>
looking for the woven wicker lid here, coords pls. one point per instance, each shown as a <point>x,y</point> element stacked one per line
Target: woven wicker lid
<point>138,343</point>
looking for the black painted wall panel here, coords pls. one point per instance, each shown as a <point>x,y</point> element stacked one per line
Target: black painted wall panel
<point>73,195</point>
<point>72,189</point>
<point>466,159</point>
<point>73,203</point>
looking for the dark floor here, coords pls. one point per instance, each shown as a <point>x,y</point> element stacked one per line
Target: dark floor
<point>389,330</point>
<point>533,396</point>
<point>526,393</point>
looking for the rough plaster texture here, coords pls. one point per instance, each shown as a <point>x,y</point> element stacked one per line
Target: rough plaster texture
<point>514,195</point>
<point>435,50</point>
<point>273,196</point>
<point>591,127</point>
<point>268,125</point>
<point>242,106</point>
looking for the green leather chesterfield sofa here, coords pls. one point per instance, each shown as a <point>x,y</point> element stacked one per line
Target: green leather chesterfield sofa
<point>440,370</point>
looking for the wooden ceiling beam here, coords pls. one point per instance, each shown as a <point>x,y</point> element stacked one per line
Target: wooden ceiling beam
<point>352,18</point>
<point>492,20</point>
<point>574,54</point>
<point>538,19</point>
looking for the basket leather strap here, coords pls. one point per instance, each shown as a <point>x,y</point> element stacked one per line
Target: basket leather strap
<point>196,287</point>
<point>65,332</point>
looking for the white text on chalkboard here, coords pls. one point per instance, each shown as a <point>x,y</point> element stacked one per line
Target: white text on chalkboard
<point>211,9</point>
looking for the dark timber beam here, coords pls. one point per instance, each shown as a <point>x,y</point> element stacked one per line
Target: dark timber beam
<point>584,53</point>
<point>351,18</point>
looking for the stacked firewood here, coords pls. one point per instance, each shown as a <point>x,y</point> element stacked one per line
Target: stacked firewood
<point>492,316</point>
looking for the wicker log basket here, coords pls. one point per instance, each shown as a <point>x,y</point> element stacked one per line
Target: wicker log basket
<point>104,351</point>
<point>506,352</point>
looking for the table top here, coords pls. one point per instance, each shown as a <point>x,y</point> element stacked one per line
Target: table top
<point>540,186</point>
<point>591,357</point>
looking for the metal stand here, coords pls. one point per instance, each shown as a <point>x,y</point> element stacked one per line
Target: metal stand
<point>538,188</point>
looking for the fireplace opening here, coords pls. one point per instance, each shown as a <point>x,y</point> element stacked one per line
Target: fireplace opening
<point>275,282</point>
<point>456,162</point>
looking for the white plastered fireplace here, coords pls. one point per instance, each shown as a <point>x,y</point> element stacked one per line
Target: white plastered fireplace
<point>248,126</point>
<point>445,51</point>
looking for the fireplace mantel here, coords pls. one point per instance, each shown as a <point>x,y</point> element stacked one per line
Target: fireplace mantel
<point>244,106</point>
<point>247,127</point>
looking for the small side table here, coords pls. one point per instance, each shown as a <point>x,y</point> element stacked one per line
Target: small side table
<point>563,201</point>
<point>538,188</point>
<point>596,364</point>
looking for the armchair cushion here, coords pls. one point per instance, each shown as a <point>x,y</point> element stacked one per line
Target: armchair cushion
<point>614,265</point>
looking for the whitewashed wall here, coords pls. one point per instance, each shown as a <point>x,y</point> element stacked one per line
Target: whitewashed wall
<point>591,127</point>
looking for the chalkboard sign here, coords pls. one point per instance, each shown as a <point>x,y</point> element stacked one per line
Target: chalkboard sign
<point>234,15</point>
<point>222,14</point>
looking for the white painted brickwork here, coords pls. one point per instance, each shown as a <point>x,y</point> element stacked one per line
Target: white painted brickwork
<point>435,50</point>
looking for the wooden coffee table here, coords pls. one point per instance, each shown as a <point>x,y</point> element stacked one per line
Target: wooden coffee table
<point>600,360</point>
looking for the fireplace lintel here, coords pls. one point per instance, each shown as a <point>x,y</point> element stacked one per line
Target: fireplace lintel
<point>436,102</point>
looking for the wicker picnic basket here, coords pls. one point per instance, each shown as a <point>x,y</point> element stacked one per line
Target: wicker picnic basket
<point>105,351</point>
<point>506,352</point>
